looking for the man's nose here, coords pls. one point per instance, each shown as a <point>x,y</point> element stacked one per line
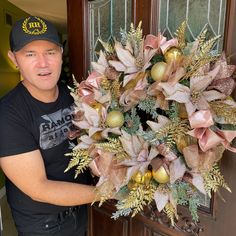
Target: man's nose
<point>42,60</point>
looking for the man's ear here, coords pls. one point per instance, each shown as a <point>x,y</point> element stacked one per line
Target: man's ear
<point>12,57</point>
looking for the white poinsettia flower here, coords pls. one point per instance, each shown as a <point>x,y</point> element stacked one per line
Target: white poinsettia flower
<point>195,97</point>
<point>129,64</point>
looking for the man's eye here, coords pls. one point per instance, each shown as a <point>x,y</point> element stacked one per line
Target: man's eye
<point>30,54</point>
<point>51,53</point>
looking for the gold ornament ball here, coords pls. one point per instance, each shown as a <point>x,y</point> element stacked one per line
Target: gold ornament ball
<point>173,55</point>
<point>182,142</point>
<point>98,107</point>
<point>142,178</point>
<point>132,185</point>
<point>132,83</point>
<point>158,71</point>
<point>138,177</point>
<point>147,177</point>
<point>182,111</point>
<point>161,175</point>
<point>115,119</point>
<point>97,136</point>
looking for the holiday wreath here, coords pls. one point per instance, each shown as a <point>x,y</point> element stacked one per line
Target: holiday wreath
<point>153,119</point>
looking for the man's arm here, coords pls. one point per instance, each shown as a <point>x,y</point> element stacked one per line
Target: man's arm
<point>27,172</point>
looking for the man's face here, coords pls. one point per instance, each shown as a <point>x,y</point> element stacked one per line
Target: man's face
<point>39,63</point>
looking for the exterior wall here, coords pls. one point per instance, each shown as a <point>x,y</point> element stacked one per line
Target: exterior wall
<point>9,76</point>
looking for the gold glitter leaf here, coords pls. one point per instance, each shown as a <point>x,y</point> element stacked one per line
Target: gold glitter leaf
<point>114,146</point>
<point>213,179</point>
<point>171,213</point>
<point>138,198</point>
<point>105,83</point>
<point>172,131</point>
<point>202,37</point>
<point>207,46</point>
<point>225,111</point>
<point>80,158</point>
<point>115,89</point>
<point>180,33</point>
<point>109,49</point>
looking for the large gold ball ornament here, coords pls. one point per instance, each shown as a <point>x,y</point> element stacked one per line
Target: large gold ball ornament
<point>97,136</point>
<point>98,107</point>
<point>173,55</point>
<point>147,177</point>
<point>182,111</point>
<point>115,119</point>
<point>132,83</point>
<point>138,177</point>
<point>132,185</point>
<point>158,71</point>
<point>161,175</point>
<point>182,142</point>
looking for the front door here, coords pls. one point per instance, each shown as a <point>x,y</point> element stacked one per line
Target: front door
<point>89,20</point>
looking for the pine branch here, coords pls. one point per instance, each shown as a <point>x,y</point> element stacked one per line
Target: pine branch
<point>184,194</point>
<point>148,105</point>
<point>132,122</point>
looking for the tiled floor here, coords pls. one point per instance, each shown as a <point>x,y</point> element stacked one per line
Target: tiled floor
<point>8,224</point>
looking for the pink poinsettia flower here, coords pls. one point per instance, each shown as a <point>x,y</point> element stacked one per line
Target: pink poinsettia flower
<point>131,97</point>
<point>139,153</point>
<point>86,88</point>
<point>93,121</point>
<point>196,97</point>
<point>174,166</point>
<point>223,82</point>
<point>176,170</point>
<point>159,42</point>
<point>172,76</point>
<point>162,198</point>
<point>132,64</point>
<point>102,67</point>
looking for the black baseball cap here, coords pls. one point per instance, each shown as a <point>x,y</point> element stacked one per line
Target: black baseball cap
<point>32,28</point>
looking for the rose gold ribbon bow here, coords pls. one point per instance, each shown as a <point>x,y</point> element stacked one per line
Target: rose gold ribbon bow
<point>228,136</point>
<point>201,121</point>
<point>201,161</point>
<point>207,138</point>
<point>104,166</point>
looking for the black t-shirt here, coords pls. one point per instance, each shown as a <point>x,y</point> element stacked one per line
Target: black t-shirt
<point>27,124</point>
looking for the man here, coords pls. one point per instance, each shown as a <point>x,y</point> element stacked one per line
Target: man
<point>35,118</point>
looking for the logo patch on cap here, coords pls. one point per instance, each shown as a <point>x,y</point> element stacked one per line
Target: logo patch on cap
<point>36,27</point>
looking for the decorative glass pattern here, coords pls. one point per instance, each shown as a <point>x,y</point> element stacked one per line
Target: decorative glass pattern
<point>106,18</point>
<point>200,14</point>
